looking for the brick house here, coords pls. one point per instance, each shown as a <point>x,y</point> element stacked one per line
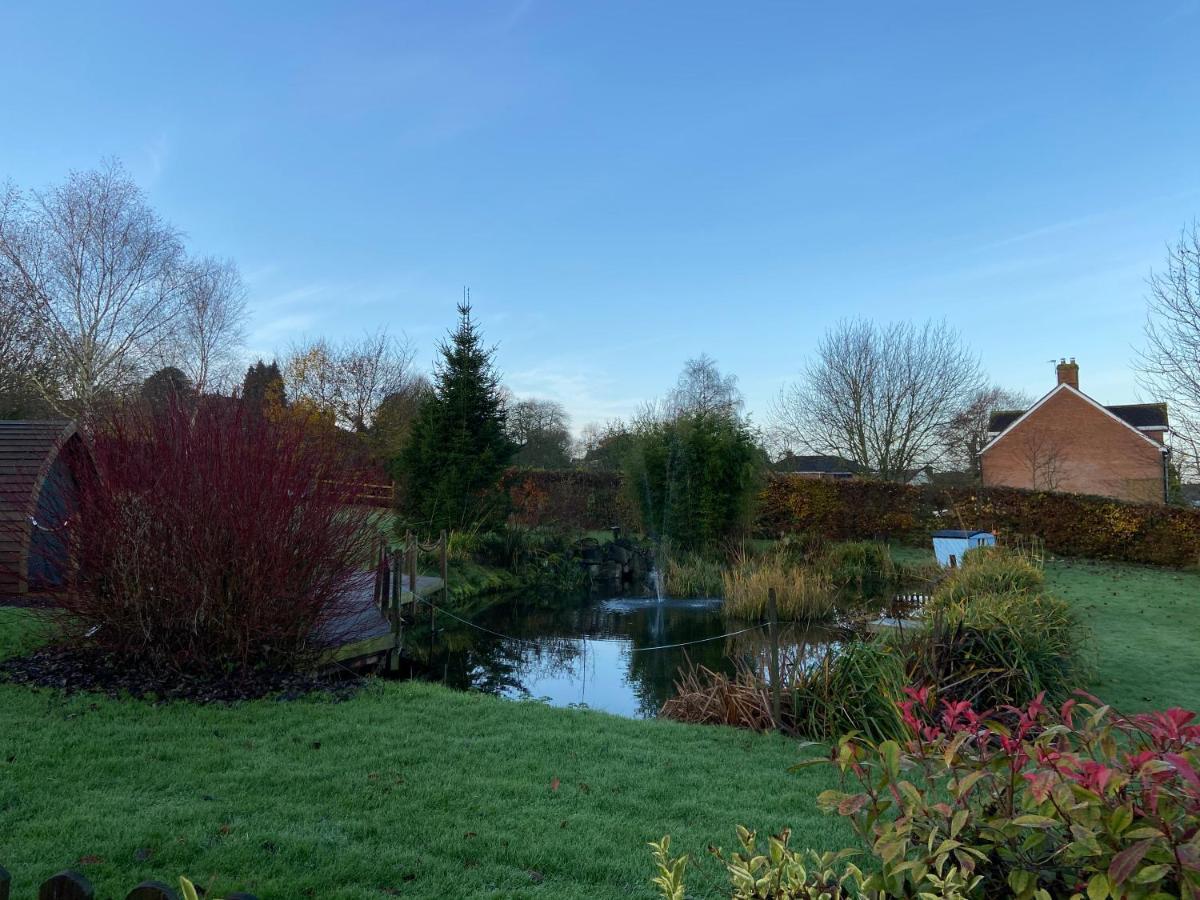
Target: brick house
<point>1069,442</point>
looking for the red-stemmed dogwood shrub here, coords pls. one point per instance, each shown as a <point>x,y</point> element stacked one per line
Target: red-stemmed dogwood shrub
<point>210,539</point>
<point>1040,803</point>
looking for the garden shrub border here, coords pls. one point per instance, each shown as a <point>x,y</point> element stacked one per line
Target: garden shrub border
<point>1070,524</point>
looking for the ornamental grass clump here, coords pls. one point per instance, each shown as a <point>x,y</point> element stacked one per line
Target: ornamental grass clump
<point>691,575</point>
<point>802,593</point>
<point>854,687</point>
<point>212,540</point>
<point>995,637</point>
<point>864,568</point>
<point>988,571</point>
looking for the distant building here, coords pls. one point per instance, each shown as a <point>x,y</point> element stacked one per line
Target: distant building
<point>829,468</point>
<point>1069,442</point>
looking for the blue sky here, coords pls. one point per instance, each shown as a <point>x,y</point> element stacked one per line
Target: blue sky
<point>625,185</point>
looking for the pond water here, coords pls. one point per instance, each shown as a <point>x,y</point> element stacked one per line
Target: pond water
<point>600,653</point>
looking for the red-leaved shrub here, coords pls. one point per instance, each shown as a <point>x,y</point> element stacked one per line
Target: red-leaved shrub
<point>1025,802</point>
<point>210,539</point>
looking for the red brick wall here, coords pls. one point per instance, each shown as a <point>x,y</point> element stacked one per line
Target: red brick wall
<point>1067,444</point>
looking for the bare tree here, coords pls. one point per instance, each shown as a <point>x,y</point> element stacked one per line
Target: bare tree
<point>967,431</point>
<point>372,369</point>
<point>350,380</point>
<point>881,395</point>
<point>602,445</point>
<point>99,271</point>
<point>210,328</point>
<point>702,390</point>
<point>1170,362</point>
<point>24,358</point>
<point>541,431</point>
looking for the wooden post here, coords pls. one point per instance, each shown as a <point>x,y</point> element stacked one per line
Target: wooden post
<point>397,616</point>
<point>377,594</point>
<point>445,569</point>
<point>413,549</point>
<point>773,632</point>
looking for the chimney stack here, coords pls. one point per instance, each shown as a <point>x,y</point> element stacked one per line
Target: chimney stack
<point>1068,372</point>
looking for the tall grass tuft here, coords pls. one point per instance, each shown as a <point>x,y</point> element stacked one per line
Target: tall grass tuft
<point>1002,649</point>
<point>861,567</point>
<point>802,594</point>
<point>986,571</point>
<point>691,575</point>
<point>852,688</point>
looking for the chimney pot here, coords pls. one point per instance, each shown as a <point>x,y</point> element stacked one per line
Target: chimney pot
<point>1068,372</point>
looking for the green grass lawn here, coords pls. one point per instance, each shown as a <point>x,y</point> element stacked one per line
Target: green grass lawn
<point>1145,625</point>
<point>408,789</point>
<point>416,790</point>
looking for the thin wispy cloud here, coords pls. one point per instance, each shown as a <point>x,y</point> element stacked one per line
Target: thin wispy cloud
<point>1044,231</point>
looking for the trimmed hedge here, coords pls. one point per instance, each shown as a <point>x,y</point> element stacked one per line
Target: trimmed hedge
<point>568,498</point>
<point>1070,524</point>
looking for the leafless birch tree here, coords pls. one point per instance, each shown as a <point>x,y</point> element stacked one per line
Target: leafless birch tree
<point>702,390</point>
<point>99,272</point>
<point>881,395</point>
<point>1170,360</point>
<point>210,328</point>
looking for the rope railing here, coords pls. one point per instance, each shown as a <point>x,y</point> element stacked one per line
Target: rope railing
<point>717,637</point>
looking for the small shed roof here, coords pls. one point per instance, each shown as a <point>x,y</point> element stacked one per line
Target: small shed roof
<point>825,465</point>
<point>28,449</point>
<point>958,533</point>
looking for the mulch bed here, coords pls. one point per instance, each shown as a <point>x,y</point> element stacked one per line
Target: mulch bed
<point>76,670</point>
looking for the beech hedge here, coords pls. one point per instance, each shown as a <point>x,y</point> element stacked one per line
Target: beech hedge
<point>568,498</point>
<point>1070,524</point>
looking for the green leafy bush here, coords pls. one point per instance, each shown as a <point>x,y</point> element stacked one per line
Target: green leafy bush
<point>1016,802</point>
<point>1049,805</point>
<point>694,477</point>
<point>540,557</point>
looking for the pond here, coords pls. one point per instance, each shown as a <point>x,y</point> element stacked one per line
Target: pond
<point>611,654</point>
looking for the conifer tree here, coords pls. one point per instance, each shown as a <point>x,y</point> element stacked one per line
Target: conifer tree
<point>262,388</point>
<point>459,446</point>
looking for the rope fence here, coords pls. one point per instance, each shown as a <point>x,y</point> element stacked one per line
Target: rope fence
<point>506,637</point>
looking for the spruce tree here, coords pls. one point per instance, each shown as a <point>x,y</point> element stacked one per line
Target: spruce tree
<point>458,447</point>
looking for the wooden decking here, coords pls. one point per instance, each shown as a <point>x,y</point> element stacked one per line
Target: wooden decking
<point>359,634</point>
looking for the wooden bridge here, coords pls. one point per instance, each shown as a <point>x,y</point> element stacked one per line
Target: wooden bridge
<point>368,630</point>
